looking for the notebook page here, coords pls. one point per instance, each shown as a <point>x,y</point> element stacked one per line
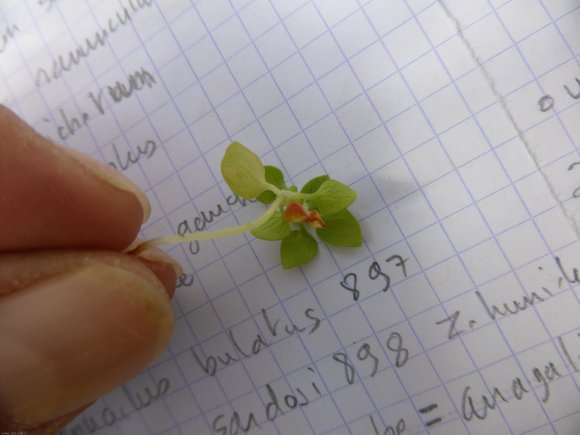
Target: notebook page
<point>429,110</point>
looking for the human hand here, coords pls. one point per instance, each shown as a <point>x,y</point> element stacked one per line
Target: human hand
<point>77,316</point>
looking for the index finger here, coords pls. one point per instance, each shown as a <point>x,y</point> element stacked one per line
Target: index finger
<point>53,197</point>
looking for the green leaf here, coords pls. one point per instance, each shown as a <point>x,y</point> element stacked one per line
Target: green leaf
<point>298,248</point>
<point>332,197</point>
<point>243,171</point>
<point>273,176</point>
<point>312,185</point>
<point>275,228</point>
<point>342,229</point>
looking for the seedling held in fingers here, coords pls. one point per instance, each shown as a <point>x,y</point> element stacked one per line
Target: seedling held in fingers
<point>321,206</point>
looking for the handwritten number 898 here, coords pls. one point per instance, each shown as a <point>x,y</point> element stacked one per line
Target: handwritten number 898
<point>364,352</point>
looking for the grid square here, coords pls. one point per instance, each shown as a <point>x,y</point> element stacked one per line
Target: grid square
<point>352,409</point>
<point>197,177</point>
<point>215,12</point>
<point>231,37</point>
<point>391,97</point>
<point>235,381</point>
<point>488,36</point>
<point>376,149</point>
<point>258,294</point>
<point>387,16</point>
<point>334,12</point>
<point>495,124</point>
<point>220,85</point>
<point>483,176</point>
<point>394,181</point>
<point>510,60</point>
<point>235,114</point>
<point>180,149</point>
<point>275,46</point>
<point>485,262</point>
<point>449,279</point>
<point>445,109</point>
<point>309,106</point>
<point>346,163</point>
<point>456,58</point>
<point>397,43</point>
<point>322,55</point>
<point>410,129</point>
<point>163,48</point>
<point>522,244</point>
<point>418,375</point>
<point>415,295</point>
<point>181,405</point>
<point>568,25</point>
<point>263,95</point>
<point>358,117</point>
<point>413,213</point>
<point>544,50</point>
<point>372,64</point>
<point>447,195</point>
<point>305,25</point>
<point>437,25</point>
<point>247,66</point>
<point>350,325</point>
<point>208,132</point>
<point>451,361</point>
<point>503,209</point>
<point>354,33</point>
<point>230,309</point>
<point>340,86</point>
<point>280,125</point>
<point>535,194</point>
<point>322,415</point>
<point>415,75</point>
<point>466,228</point>
<point>297,155</point>
<point>292,75</point>
<point>192,103</point>
<point>430,246</point>
<point>555,229</point>
<point>204,322</point>
<point>327,136</point>
<point>511,13</point>
<point>167,122</point>
<point>557,8</point>
<point>242,264</point>
<point>428,162</point>
<point>485,355</point>
<point>476,91</point>
<point>188,28</point>
<point>203,57</point>
<point>258,17</point>
<point>176,199</point>
<point>550,141</point>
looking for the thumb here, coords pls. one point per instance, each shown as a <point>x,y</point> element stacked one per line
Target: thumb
<point>74,325</point>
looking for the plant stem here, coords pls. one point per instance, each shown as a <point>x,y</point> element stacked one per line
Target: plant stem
<point>206,235</point>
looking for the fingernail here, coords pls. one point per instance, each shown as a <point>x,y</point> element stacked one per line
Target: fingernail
<point>70,339</point>
<point>158,256</point>
<point>111,176</point>
<point>165,267</point>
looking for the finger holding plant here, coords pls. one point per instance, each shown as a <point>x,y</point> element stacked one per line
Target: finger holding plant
<point>320,206</point>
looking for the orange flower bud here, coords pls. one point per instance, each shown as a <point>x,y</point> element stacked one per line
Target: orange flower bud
<point>315,220</point>
<point>295,213</point>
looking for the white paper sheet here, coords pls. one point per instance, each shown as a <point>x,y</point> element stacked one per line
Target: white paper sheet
<point>458,124</point>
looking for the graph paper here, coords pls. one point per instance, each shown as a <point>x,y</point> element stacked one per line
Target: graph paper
<point>458,124</point>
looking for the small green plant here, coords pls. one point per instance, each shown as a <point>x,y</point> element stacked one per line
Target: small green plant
<point>321,205</point>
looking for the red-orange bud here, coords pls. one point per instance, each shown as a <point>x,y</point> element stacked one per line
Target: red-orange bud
<point>295,213</point>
